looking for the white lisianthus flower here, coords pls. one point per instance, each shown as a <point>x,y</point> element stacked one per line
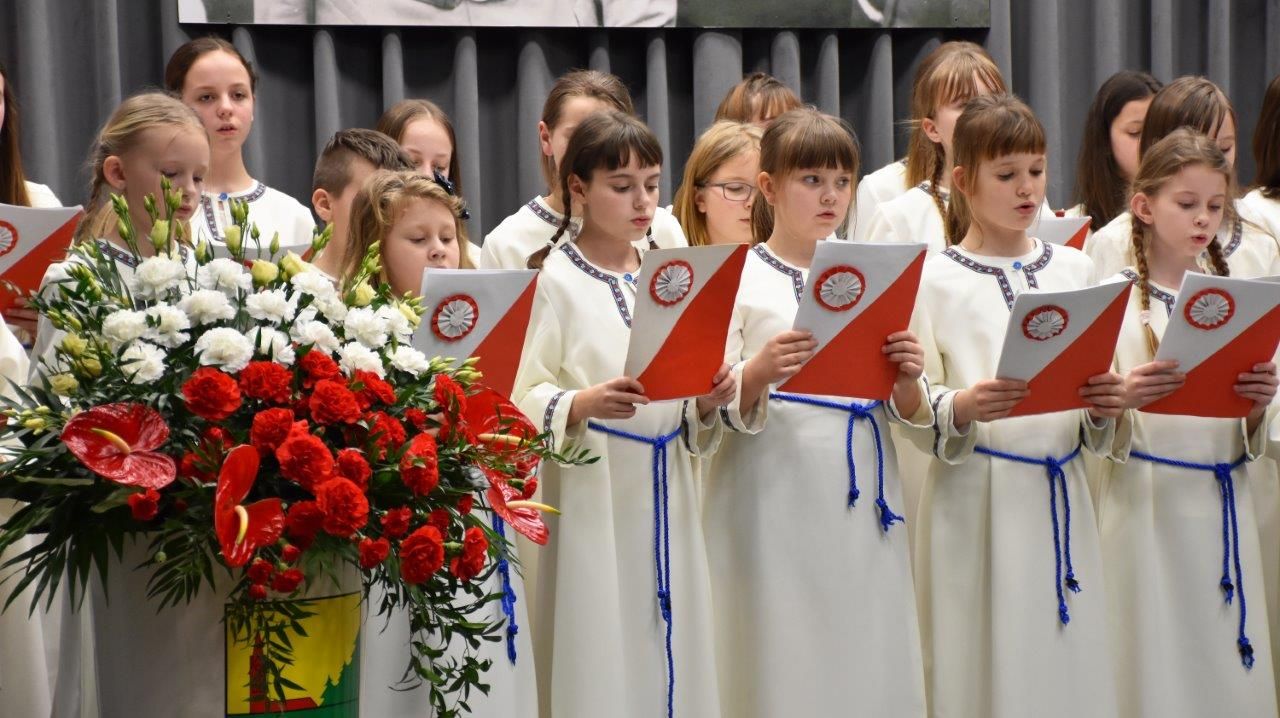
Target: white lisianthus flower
<point>156,276</point>
<point>272,305</point>
<point>124,326</point>
<point>397,323</point>
<point>224,347</point>
<point>225,275</point>
<point>317,334</point>
<point>206,306</point>
<point>366,327</point>
<point>170,327</point>
<point>275,345</point>
<point>354,356</point>
<point>410,360</point>
<point>315,284</point>
<point>143,363</point>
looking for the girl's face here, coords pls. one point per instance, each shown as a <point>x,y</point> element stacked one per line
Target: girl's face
<point>941,127</point>
<point>181,155</point>
<point>1005,193</point>
<point>1226,138</point>
<point>619,203</point>
<point>1185,213</point>
<point>427,143</point>
<point>726,197</point>
<point>218,88</point>
<point>1126,135</point>
<point>555,141</point>
<point>808,204</point>
<point>425,235</point>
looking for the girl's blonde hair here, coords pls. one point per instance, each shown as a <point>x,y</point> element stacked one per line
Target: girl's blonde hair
<point>381,201</point>
<point>1179,149</point>
<point>800,140</point>
<point>991,126</point>
<point>956,71</point>
<point>123,132</point>
<point>722,142</point>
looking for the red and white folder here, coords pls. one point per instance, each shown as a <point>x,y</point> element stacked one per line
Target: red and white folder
<point>1220,328</point>
<point>30,240</point>
<point>855,297</point>
<point>1069,231</point>
<point>480,313</point>
<point>684,302</point>
<point>1055,341</point>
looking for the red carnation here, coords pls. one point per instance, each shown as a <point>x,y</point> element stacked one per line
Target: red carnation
<point>455,428</point>
<point>303,521</point>
<point>417,417</point>
<point>191,468</point>
<point>260,571</point>
<point>304,458</point>
<point>374,552</point>
<point>449,395</point>
<point>290,554</point>
<point>530,488</point>
<point>386,432</point>
<point>270,428</point>
<point>441,519</point>
<point>465,504</point>
<point>418,466</point>
<point>267,381</point>
<point>371,389</point>
<point>211,394</point>
<point>258,592</point>
<point>144,505</point>
<point>215,441</point>
<point>395,523</point>
<point>287,581</point>
<point>352,466</point>
<point>475,547</point>
<point>421,554</point>
<point>345,508</point>
<point>333,403</point>
<point>318,366</point>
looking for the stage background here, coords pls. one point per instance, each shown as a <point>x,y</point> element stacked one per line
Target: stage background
<point>71,61</point>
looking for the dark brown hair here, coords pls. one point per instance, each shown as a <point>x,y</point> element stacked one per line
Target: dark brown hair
<point>333,167</point>
<point>1266,143</point>
<point>397,119</point>
<point>1190,101</point>
<point>800,140</point>
<point>756,98</point>
<point>605,140</point>
<point>13,183</point>
<point>581,83</point>
<point>1100,188</point>
<point>180,62</point>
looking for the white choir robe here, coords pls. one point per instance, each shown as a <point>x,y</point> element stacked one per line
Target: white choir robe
<point>985,552</point>
<point>879,187</point>
<point>509,245</point>
<point>597,631</point>
<point>814,603</point>
<point>269,208</point>
<point>1250,250</point>
<point>1173,635</point>
<point>41,196</point>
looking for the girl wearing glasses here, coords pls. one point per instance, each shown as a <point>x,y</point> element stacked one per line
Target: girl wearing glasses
<point>713,204</point>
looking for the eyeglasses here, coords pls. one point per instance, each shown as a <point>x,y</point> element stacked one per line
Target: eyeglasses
<point>732,191</point>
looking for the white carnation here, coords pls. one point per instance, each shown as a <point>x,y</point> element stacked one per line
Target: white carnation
<point>317,334</point>
<point>314,283</point>
<point>124,326</point>
<point>272,305</point>
<point>206,306</point>
<point>410,360</point>
<point>143,363</point>
<point>170,327</point>
<point>156,276</point>
<point>332,308</point>
<point>225,275</point>
<point>397,323</point>
<point>366,327</point>
<point>275,345</point>
<point>354,357</point>
<point>224,347</point>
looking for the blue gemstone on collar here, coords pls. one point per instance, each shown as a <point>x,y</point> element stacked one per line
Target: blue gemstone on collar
<point>1017,265</point>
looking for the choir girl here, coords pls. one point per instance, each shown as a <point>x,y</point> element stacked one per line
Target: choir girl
<point>1109,148</point>
<point>756,100</point>
<point>714,201</point>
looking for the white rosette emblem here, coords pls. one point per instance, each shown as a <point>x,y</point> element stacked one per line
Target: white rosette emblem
<point>1044,323</point>
<point>454,317</point>
<point>1209,309</point>
<point>839,288</point>
<point>671,283</point>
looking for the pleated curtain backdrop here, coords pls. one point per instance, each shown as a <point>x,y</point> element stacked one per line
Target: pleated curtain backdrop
<point>71,61</point>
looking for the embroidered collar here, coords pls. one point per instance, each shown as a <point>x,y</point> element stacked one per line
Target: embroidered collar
<point>126,258</point>
<point>1156,292</point>
<point>797,279</point>
<point>1237,231</point>
<point>927,187</point>
<point>546,215</point>
<point>1028,270</point>
<point>206,204</point>
<point>615,287</point>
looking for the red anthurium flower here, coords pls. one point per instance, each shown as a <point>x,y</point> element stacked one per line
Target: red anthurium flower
<point>521,515</point>
<point>243,529</point>
<point>119,442</point>
<point>500,426</point>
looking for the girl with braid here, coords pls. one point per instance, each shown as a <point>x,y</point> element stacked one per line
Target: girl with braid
<point>1189,639</point>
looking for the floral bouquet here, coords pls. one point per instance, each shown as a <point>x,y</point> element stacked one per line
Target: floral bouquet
<point>259,427</point>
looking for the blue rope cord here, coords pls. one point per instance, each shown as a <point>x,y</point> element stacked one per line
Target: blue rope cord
<point>508,593</point>
<point>1230,537</point>
<point>661,535</point>
<point>856,411</point>
<point>1061,539</point>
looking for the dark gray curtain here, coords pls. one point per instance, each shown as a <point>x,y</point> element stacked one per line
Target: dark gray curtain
<point>71,61</point>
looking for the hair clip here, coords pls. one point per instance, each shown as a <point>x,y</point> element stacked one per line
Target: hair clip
<point>452,191</point>
<point>1144,316</point>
